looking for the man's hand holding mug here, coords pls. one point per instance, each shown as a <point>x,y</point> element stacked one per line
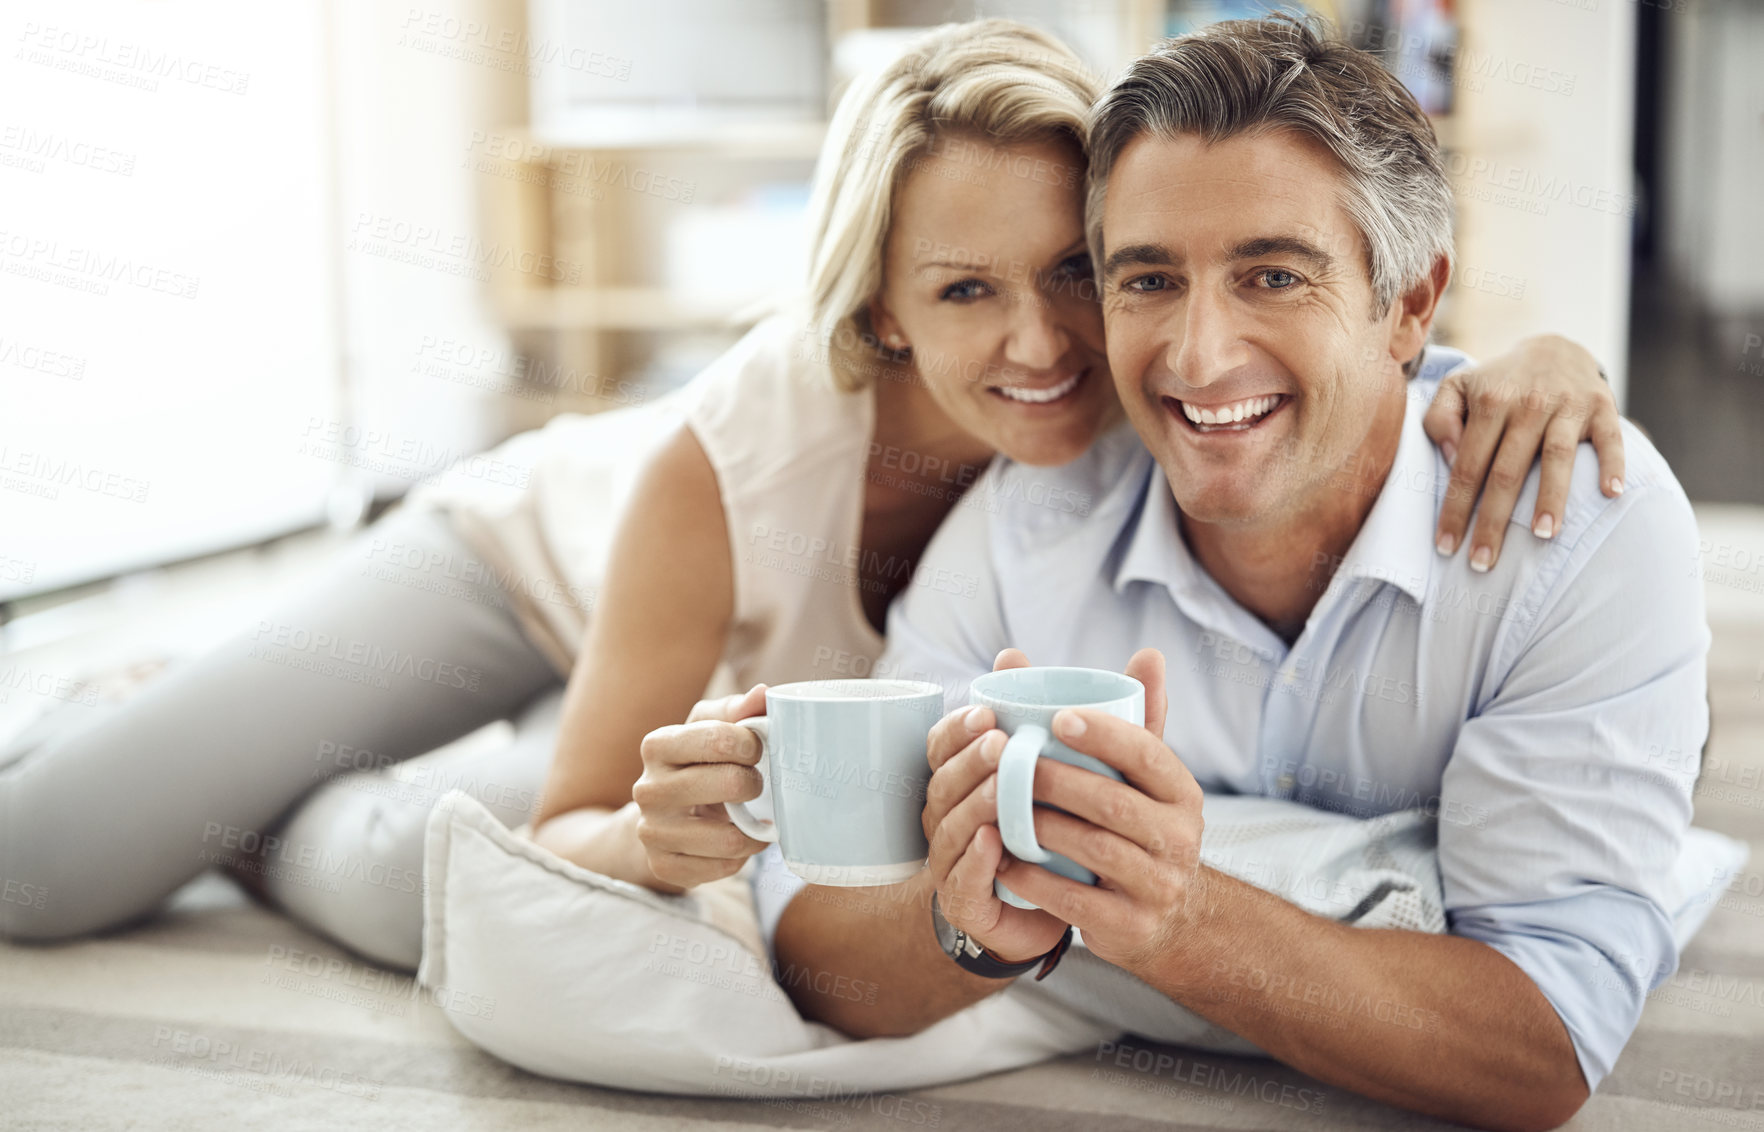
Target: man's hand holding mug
<point>1139,835</point>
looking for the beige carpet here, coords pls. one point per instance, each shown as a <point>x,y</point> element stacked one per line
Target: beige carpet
<point>218,1015</point>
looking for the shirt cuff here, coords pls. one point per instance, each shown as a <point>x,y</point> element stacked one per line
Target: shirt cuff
<point>1594,955</point>
<point>774,886</point>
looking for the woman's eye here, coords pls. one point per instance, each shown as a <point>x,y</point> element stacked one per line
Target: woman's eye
<point>1277,280</point>
<point>966,291</point>
<point>1076,265</point>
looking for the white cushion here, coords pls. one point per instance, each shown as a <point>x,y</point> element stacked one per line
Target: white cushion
<point>571,974</point>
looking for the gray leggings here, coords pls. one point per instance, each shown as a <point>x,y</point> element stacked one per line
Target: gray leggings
<point>283,754</point>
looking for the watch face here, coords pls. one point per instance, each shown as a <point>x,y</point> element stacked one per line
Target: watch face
<point>951,939</point>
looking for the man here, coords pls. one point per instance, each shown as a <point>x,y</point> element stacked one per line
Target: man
<point>1271,228</point>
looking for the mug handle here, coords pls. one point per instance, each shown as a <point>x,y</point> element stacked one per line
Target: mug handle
<point>755,827</point>
<point>1016,793</point>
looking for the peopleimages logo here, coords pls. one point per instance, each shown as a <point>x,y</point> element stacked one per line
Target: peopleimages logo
<point>30,149</point>
<point>745,1077</point>
<point>39,359</point>
<point>423,245</point>
<point>604,172</point>
<point>133,64</point>
<point>443,34</point>
<point>1234,1081</point>
<point>88,269</point>
<point>43,475</point>
<point>366,656</point>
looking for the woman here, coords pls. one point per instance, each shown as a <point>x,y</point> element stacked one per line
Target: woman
<point>787,494</point>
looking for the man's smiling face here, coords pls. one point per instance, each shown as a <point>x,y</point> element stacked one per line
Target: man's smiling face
<point>1242,330</point>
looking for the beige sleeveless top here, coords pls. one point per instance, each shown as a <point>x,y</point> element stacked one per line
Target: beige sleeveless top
<point>790,453</point>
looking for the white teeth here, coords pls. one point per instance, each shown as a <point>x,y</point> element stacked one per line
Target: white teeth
<point>1232,413</point>
<point>1040,396</point>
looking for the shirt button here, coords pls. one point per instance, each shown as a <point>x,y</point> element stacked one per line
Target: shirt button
<point>1286,781</point>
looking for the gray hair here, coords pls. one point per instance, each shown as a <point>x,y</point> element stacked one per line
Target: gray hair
<point>1280,73</point>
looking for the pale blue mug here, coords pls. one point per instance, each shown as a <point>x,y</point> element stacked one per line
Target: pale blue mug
<point>1025,700</point>
<point>844,764</point>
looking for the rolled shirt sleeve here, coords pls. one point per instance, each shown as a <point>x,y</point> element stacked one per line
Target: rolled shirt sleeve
<point>1578,770</point>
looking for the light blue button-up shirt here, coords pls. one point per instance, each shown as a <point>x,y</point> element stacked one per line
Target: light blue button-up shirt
<point>1549,711</point>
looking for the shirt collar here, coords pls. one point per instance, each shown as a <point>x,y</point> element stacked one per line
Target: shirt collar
<point>1156,551</point>
<point>1394,545</point>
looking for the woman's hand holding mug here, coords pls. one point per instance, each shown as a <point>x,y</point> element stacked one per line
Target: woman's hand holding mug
<point>846,764</point>
<point>689,771</point>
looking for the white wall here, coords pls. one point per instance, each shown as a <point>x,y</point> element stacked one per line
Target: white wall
<point>163,283</point>
<point>414,84</point>
<point>287,195</point>
<point>1543,172</point>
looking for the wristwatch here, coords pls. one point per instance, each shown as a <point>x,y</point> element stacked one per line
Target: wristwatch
<point>970,956</point>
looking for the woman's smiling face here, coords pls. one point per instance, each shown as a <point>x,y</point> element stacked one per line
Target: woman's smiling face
<point>987,278</point>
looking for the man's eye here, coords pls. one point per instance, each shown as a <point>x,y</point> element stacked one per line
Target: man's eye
<point>966,291</point>
<point>1277,280</point>
<point>1147,284</point>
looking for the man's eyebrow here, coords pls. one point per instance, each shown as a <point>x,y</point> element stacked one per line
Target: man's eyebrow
<point>1283,245</point>
<point>1145,255</point>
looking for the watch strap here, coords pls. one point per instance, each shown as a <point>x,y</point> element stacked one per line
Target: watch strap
<point>1053,957</point>
<point>990,966</point>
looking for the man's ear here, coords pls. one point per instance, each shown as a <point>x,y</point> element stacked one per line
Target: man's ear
<point>1415,311</point>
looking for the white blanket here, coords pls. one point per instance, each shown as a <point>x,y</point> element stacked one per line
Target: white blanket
<point>570,974</point>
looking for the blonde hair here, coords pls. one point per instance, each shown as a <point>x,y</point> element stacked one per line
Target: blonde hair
<point>1001,81</point>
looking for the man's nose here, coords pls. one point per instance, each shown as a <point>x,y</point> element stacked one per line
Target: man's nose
<point>1210,343</point>
<point>1036,340</point>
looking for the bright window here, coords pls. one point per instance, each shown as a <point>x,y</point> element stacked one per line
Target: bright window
<point>167,295</point>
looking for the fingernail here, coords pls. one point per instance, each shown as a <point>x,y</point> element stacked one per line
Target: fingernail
<point>1446,545</point>
<point>975,718</point>
<point>1545,526</point>
<point>989,788</point>
<point>1068,725</point>
<point>1616,485</point>
<point>1450,452</point>
<point>993,745</point>
<point>1481,560</point>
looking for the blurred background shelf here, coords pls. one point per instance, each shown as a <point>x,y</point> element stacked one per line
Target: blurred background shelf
<point>731,139</point>
<point>1515,124</point>
<point>613,308</point>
